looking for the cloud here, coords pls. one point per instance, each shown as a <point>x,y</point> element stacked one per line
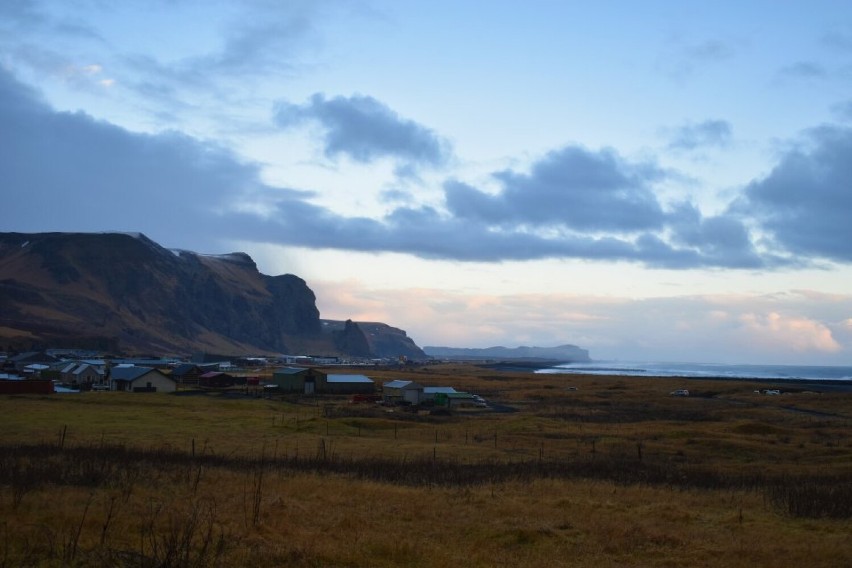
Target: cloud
<point>805,201</point>
<point>710,133</point>
<point>789,328</point>
<point>722,238</point>
<point>259,39</point>
<point>804,70</point>
<point>796,333</point>
<point>64,171</point>
<point>573,188</point>
<point>685,58</point>
<point>67,171</point>
<point>840,40</point>
<point>365,130</point>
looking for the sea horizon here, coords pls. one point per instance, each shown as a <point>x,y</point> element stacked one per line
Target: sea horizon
<point>705,370</point>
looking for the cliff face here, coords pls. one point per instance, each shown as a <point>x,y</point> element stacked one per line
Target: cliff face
<point>124,291</point>
<point>381,339</point>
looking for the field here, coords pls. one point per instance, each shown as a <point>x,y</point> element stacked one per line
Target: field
<point>572,471</point>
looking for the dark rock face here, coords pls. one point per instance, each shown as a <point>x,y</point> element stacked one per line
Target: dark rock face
<point>382,339</point>
<point>67,288</point>
<point>351,340</point>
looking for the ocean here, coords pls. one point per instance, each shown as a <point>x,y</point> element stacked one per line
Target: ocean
<point>704,370</point>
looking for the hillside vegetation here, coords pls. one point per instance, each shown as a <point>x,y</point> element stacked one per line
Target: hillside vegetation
<point>588,471</point>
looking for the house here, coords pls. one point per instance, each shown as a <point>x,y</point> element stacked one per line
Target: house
<point>216,379</point>
<point>402,392</point>
<point>84,374</point>
<point>140,379</point>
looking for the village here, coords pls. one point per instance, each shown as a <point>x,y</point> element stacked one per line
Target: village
<point>60,371</point>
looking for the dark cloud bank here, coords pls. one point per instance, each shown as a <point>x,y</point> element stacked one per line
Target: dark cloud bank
<point>63,171</point>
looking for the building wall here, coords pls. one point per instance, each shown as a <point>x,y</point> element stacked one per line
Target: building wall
<point>89,375</point>
<point>289,382</point>
<point>410,394</point>
<point>347,388</point>
<point>157,380</point>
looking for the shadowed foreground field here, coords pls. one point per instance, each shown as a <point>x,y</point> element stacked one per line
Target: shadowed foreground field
<point>581,471</point>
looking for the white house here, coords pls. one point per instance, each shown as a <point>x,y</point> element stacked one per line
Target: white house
<point>140,379</point>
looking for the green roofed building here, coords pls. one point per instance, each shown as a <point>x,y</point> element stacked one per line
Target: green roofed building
<point>309,381</point>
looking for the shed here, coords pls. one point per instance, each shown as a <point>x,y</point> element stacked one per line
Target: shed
<point>140,379</point>
<point>400,391</point>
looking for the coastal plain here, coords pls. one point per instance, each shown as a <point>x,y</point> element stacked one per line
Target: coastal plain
<point>558,470</point>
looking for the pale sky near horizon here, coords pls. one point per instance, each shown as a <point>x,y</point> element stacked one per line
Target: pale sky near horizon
<point>652,180</point>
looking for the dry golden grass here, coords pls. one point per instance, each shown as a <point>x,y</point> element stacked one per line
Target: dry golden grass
<point>187,512</point>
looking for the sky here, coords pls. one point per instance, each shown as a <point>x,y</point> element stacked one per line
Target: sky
<point>651,181</point>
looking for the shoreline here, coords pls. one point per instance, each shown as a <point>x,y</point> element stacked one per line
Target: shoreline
<point>799,384</point>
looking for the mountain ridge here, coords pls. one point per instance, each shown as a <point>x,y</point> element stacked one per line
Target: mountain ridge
<point>123,291</point>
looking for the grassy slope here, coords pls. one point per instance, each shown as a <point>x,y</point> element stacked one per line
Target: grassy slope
<point>274,516</point>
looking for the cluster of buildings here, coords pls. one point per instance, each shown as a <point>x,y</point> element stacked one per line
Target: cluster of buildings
<point>169,375</point>
<point>310,381</point>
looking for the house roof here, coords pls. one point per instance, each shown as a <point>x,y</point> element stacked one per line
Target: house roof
<point>437,390</point>
<point>399,384</point>
<point>213,374</point>
<point>460,395</point>
<point>37,356</point>
<point>184,369</point>
<point>289,371</point>
<point>145,362</point>
<point>348,379</point>
<point>132,373</point>
<point>82,368</point>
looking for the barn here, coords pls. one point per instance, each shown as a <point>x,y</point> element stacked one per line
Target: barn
<point>402,392</point>
<point>140,379</point>
<point>310,381</point>
<point>345,384</point>
<point>294,379</point>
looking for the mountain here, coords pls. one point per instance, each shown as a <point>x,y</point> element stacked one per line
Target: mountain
<point>124,292</point>
<point>562,353</point>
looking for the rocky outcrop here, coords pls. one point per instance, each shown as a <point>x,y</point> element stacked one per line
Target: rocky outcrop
<point>383,340</point>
